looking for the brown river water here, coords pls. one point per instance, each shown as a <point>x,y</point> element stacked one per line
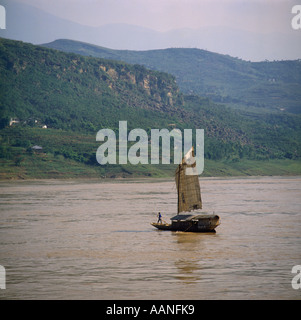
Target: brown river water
<point>93,240</point>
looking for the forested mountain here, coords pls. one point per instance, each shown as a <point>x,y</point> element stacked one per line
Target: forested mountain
<point>75,96</point>
<point>71,91</point>
<point>267,85</point>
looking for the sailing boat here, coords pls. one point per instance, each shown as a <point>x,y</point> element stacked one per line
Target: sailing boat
<point>189,218</point>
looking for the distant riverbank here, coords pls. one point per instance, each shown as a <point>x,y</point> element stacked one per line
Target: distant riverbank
<point>48,166</point>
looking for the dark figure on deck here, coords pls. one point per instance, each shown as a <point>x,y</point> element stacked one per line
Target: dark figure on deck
<point>159,218</point>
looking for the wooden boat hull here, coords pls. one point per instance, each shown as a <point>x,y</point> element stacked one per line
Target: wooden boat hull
<point>203,223</point>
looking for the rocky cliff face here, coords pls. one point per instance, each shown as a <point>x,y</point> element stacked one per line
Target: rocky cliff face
<point>160,89</point>
<point>65,86</point>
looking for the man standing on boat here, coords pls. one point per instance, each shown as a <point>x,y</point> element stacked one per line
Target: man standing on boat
<point>159,217</point>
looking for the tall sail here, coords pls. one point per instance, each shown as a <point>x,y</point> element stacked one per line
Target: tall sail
<point>188,186</point>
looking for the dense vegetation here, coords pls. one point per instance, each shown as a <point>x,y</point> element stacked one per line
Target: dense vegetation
<point>241,84</point>
<point>68,91</point>
<point>75,96</point>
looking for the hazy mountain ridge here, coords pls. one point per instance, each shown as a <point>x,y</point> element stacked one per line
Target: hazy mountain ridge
<point>29,24</point>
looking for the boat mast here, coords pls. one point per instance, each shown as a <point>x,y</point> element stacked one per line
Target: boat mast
<point>179,188</point>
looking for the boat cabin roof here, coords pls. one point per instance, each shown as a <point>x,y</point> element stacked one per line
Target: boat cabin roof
<point>188,217</point>
<point>183,217</point>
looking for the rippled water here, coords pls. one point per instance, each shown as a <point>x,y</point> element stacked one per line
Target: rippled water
<point>93,240</point>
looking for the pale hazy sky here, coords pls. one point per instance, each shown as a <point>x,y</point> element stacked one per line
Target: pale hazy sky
<point>162,15</point>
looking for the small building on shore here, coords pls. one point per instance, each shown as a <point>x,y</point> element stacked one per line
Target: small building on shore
<point>37,148</point>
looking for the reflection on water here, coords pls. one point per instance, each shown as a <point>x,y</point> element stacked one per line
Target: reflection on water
<point>93,240</point>
<point>188,266</point>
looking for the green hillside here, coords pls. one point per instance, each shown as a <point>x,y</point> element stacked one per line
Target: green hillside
<point>74,96</point>
<point>68,91</point>
<point>241,84</point>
